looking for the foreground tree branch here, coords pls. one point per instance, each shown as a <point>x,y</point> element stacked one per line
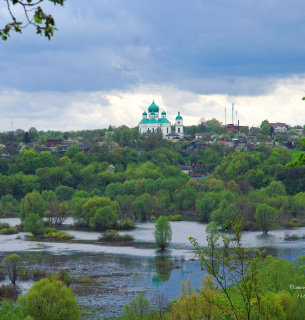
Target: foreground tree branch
<point>33,16</point>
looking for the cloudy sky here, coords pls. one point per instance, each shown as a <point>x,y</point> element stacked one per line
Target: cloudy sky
<point>110,59</point>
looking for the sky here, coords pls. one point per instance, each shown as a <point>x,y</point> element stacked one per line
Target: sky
<point>110,59</point>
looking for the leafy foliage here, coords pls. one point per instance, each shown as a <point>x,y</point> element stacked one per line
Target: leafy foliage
<point>163,232</point>
<point>13,266</point>
<point>50,299</point>
<point>34,16</point>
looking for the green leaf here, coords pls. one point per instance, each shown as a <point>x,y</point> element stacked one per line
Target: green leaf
<point>4,37</point>
<point>38,20</point>
<point>303,98</point>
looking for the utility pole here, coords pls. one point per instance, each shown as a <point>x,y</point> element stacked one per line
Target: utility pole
<point>233,113</point>
<point>225,116</point>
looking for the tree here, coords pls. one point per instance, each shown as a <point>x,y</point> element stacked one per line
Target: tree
<point>138,307</point>
<point>104,218</point>
<point>235,274</point>
<point>8,312</point>
<point>64,193</point>
<point>32,203</point>
<point>163,232</point>
<point>33,223</point>
<point>13,266</point>
<point>264,215</point>
<point>34,16</point>
<point>205,206</point>
<point>50,299</point>
<point>90,208</point>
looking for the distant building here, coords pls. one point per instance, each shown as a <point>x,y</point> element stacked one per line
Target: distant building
<point>52,142</point>
<point>151,122</point>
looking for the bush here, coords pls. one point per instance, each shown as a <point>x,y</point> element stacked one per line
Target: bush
<point>136,308</point>
<point>58,235</point>
<point>125,224</point>
<point>9,292</point>
<point>4,225</point>
<point>9,231</point>
<point>39,274</point>
<point>50,299</point>
<point>86,280</point>
<point>24,274</point>
<point>291,237</point>
<point>176,217</point>
<point>64,276</point>
<point>113,235</point>
<point>47,230</point>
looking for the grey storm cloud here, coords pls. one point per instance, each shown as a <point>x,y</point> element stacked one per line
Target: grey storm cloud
<point>115,45</point>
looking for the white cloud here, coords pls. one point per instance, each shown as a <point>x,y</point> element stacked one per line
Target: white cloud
<point>99,109</point>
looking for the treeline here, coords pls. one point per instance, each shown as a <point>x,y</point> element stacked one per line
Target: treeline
<point>141,184</point>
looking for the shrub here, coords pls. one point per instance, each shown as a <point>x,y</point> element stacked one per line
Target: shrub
<point>4,225</point>
<point>125,224</point>
<point>9,231</point>
<point>24,274</point>
<point>47,230</point>
<point>9,292</point>
<point>86,280</point>
<point>291,237</point>
<point>176,217</point>
<point>64,276</point>
<point>58,235</point>
<point>137,307</point>
<point>39,274</point>
<point>113,235</point>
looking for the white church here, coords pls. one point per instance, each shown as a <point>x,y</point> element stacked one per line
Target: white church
<point>151,122</point>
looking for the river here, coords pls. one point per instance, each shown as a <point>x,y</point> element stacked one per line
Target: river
<point>121,272</point>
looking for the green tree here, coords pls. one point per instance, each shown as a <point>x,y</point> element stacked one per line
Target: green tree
<point>137,308</point>
<point>8,312</point>
<point>204,207</point>
<point>33,223</point>
<point>212,229</point>
<point>32,203</point>
<point>72,151</point>
<point>90,208</point>
<point>276,188</point>
<point>50,299</point>
<point>163,232</point>
<point>13,266</point>
<point>64,193</point>
<point>26,160</point>
<point>104,218</point>
<point>33,16</point>
<point>234,270</point>
<point>264,215</point>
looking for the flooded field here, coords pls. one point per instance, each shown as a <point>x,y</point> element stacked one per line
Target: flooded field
<point>118,273</point>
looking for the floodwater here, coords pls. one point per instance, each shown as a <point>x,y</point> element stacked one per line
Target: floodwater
<point>121,272</point>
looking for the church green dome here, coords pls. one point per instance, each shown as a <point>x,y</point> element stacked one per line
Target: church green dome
<point>153,107</point>
<point>178,116</point>
<point>163,113</point>
<point>144,113</point>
